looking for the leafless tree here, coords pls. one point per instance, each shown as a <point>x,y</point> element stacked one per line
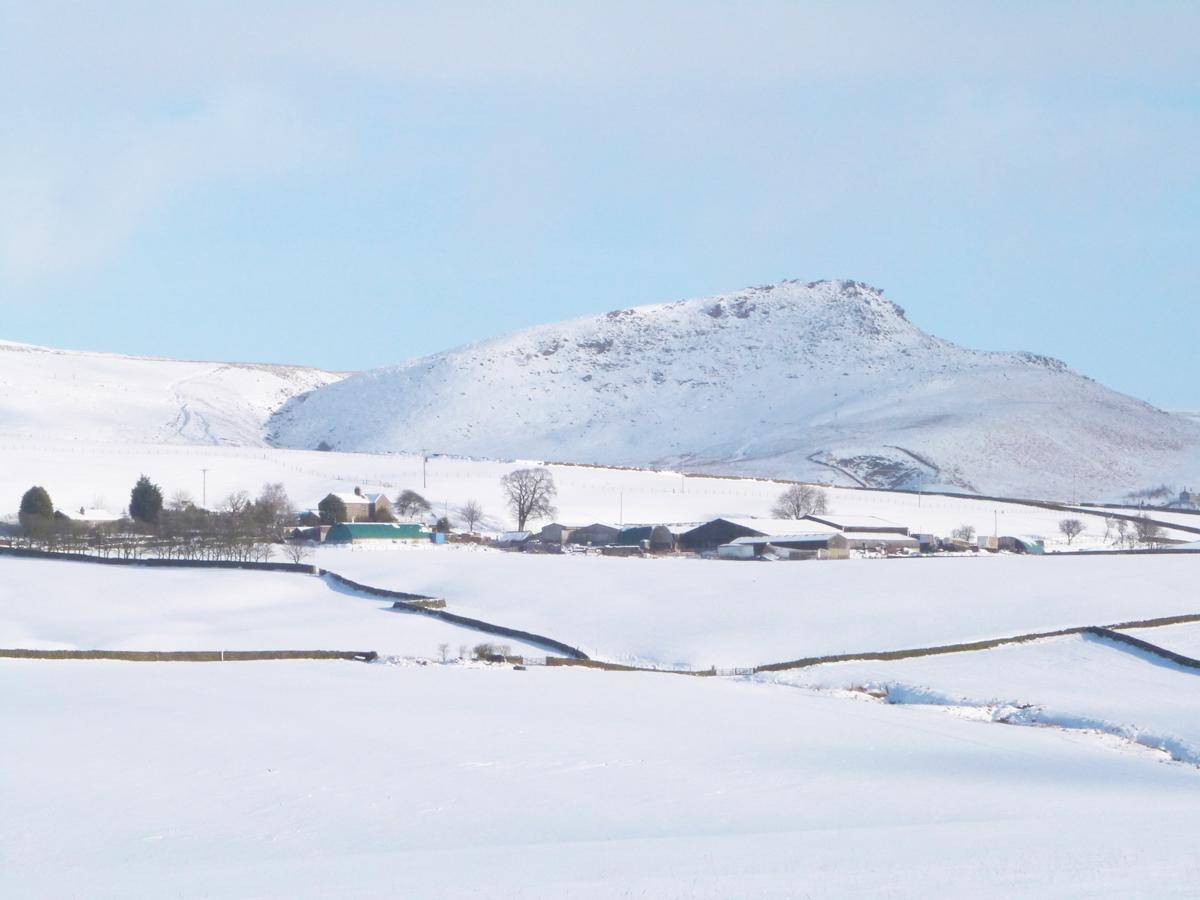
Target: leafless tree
<point>530,494</point>
<point>180,500</point>
<point>1071,529</point>
<point>297,551</point>
<point>235,504</point>
<point>410,504</point>
<point>800,500</point>
<point>444,651</point>
<point>963,532</point>
<point>470,513</point>
<point>1147,532</point>
<point>273,511</point>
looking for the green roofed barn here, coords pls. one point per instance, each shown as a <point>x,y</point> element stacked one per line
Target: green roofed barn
<point>348,532</point>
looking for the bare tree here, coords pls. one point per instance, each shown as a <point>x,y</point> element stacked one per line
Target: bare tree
<point>235,504</point>
<point>410,504</point>
<point>297,551</point>
<point>800,500</point>
<point>963,532</point>
<point>471,512</point>
<point>1147,532</point>
<point>273,511</point>
<point>1071,529</point>
<point>180,500</point>
<point>444,651</point>
<point>530,494</point>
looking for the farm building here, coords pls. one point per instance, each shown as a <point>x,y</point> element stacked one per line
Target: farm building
<point>349,532</point>
<point>1013,544</point>
<point>883,541</point>
<point>512,540</point>
<point>823,545</point>
<point>655,538</point>
<point>597,534</point>
<point>872,524</point>
<point>716,532</point>
<point>365,507</point>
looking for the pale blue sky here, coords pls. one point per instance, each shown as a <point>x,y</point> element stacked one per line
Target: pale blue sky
<point>350,184</point>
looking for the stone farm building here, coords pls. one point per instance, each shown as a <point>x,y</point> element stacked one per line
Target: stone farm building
<point>365,507</point>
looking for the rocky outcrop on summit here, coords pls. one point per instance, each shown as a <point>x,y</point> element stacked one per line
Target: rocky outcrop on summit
<point>825,380</point>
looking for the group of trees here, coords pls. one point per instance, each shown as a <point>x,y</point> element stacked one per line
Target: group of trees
<point>240,528</point>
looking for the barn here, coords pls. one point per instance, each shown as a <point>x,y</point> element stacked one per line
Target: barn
<point>822,545</point>
<point>350,532</point>
<point>655,538</point>
<point>714,533</point>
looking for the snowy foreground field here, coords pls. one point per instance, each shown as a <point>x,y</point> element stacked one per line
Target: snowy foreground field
<point>80,606</point>
<point>698,613</point>
<point>336,779</point>
<point>329,779</point>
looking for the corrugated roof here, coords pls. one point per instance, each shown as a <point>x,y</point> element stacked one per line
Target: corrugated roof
<point>781,526</point>
<point>824,536</point>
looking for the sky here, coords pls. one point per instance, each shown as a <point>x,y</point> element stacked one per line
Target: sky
<point>351,184</point>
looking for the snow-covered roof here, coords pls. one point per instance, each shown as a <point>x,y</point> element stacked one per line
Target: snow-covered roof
<point>94,515</point>
<point>825,536</point>
<point>880,536</point>
<point>514,537</point>
<point>350,497</point>
<point>854,521</point>
<point>781,526</point>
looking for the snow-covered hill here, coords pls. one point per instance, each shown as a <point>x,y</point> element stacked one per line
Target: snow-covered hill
<point>64,394</point>
<point>826,380</point>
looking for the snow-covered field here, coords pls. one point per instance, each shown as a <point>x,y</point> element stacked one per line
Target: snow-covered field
<point>51,605</point>
<point>71,395</point>
<point>1183,638</point>
<point>697,613</point>
<point>345,779</point>
<point>100,475</point>
<point>1078,681</point>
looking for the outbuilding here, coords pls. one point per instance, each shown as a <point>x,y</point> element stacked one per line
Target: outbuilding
<point>822,545</point>
<point>655,538</point>
<point>350,532</point>
<point>715,532</point>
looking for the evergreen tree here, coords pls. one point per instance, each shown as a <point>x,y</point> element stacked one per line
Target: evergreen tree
<point>332,510</point>
<point>36,507</point>
<point>145,501</point>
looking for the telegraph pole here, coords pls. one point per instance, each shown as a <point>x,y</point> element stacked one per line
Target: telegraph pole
<point>204,489</point>
<point>424,469</point>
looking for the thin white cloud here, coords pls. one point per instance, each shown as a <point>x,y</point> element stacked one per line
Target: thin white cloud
<point>73,198</point>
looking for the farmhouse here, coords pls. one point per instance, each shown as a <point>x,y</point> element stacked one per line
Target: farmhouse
<point>365,507</point>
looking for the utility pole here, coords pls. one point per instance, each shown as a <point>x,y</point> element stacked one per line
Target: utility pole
<point>204,489</point>
<point>621,516</point>
<point>424,463</point>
